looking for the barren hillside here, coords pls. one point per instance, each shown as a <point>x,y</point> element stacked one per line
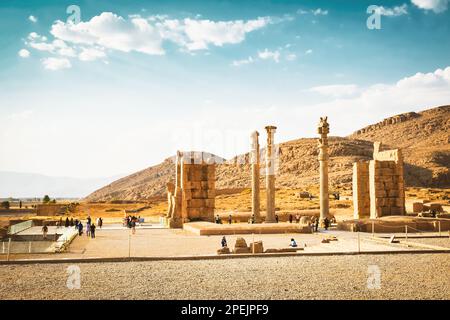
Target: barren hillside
<point>424,138</point>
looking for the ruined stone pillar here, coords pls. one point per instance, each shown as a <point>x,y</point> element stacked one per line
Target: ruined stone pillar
<point>255,176</point>
<point>175,218</point>
<point>323,129</point>
<point>270,175</point>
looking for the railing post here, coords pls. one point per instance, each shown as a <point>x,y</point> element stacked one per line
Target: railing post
<point>29,247</point>
<point>253,243</point>
<point>439,224</point>
<point>359,245</point>
<point>406,232</point>
<point>373,229</point>
<point>9,249</point>
<point>129,244</point>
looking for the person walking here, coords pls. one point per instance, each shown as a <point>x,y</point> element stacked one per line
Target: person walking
<point>276,218</point>
<point>44,231</point>
<point>230,219</point>
<point>71,222</point>
<point>290,218</point>
<point>80,228</point>
<point>316,224</point>
<point>100,222</point>
<point>67,222</point>
<point>133,226</point>
<point>88,229</point>
<point>93,231</point>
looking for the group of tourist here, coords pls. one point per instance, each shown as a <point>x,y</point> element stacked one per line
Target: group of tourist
<point>90,226</point>
<point>130,222</point>
<point>70,223</point>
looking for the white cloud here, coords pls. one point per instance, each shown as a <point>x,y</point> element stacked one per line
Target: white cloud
<point>319,12</point>
<point>337,90</point>
<point>266,54</point>
<point>238,63</point>
<point>201,33</point>
<point>417,92</point>
<point>393,12</point>
<point>24,53</point>
<point>111,31</point>
<point>437,6</point>
<point>56,63</point>
<point>291,57</point>
<point>309,51</point>
<point>32,19</point>
<point>90,54</point>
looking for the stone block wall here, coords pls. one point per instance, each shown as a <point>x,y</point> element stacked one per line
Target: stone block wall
<point>192,198</point>
<point>198,192</point>
<point>381,181</point>
<point>361,195</point>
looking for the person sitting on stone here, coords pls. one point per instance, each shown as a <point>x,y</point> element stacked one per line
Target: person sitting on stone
<point>224,242</point>
<point>293,243</point>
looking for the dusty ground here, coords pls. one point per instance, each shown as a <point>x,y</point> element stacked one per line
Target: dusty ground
<point>422,276</point>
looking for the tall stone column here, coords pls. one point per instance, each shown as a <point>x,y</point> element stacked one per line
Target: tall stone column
<point>175,218</point>
<point>270,175</point>
<point>323,129</point>
<point>255,176</point>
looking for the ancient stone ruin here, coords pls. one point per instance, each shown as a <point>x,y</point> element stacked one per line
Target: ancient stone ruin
<point>378,186</point>
<point>192,198</point>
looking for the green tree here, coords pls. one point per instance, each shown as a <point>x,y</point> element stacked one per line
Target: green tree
<point>46,199</point>
<point>5,205</point>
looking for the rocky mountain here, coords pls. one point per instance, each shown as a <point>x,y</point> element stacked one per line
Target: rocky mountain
<point>424,138</point>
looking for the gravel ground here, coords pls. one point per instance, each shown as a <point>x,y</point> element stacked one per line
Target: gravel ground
<point>403,276</point>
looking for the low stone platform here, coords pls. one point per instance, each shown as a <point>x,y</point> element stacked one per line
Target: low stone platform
<point>209,228</point>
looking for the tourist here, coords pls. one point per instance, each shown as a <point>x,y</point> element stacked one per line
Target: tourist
<point>89,220</point>
<point>60,222</point>
<point>326,223</point>
<point>293,243</point>
<point>224,242</point>
<point>88,229</point>
<point>92,231</point>
<point>290,218</point>
<point>100,222</point>
<point>276,218</point>
<point>80,228</point>
<point>67,222</point>
<point>316,223</point>
<point>217,219</point>
<point>297,218</point>
<point>76,224</point>
<point>230,219</point>
<point>44,231</point>
<point>71,222</point>
<point>133,226</point>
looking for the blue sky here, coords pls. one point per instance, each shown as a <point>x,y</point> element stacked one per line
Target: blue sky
<point>136,80</point>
